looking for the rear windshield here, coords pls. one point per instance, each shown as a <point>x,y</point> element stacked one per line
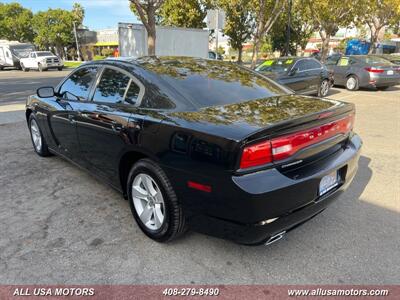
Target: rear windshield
<point>210,83</point>
<point>374,60</point>
<point>275,65</point>
<point>44,54</point>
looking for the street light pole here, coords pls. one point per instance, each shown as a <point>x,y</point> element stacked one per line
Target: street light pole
<point>288,28</point>
<point>216,34</point>
<point>76,41</point>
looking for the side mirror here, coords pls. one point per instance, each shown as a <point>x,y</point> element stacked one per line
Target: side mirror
<point>45,92</point>
<point>293,71</point>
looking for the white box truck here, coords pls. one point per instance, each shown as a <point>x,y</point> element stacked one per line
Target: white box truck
<point>170,41</point>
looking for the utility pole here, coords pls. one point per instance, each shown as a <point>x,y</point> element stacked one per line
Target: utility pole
<point>216,33</point>
<point>76,41</point>
<point>288,28</point>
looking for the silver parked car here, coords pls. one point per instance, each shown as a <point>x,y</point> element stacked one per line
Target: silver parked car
<point>368,71</point>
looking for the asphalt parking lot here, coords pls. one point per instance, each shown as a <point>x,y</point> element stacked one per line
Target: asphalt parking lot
<point>60,225</point>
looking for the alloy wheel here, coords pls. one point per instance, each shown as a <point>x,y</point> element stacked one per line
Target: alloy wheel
<point>351,83</point>
<point>324,88</point>
<point>36,136</point>
<point>148,201</point>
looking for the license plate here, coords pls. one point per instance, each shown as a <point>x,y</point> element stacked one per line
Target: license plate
<point>328,182</point>
<point>390,72</point>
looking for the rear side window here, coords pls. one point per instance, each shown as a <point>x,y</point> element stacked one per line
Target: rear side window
<point>116,87</point>
<point>112,86</point>
<point>77,86</point>
<point>344,61</point>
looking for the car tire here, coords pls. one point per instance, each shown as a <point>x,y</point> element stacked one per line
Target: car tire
<point>37,138</point>
<point>323,89</point>
<point>60,68</point>
<point>352,83</point>
<point>383,88</point>
<point>160,215</point>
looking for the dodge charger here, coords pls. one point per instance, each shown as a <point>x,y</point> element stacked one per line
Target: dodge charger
<point>199,144</point>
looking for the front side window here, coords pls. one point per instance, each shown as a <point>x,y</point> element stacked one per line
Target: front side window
<point>302,65</point>
<point>313,64</point>
<point>77,86</point>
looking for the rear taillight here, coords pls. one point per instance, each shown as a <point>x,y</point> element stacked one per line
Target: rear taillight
<point>256,155</point>
<point>285,146</point>
<point>374,70</point>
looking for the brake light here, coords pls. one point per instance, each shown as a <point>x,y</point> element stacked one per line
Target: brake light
<point>256,155</point>
<point>374,70</point>
<point>285,146</point>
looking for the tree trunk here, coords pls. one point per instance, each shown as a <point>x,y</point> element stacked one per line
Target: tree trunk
<point>374,38</point>
<point>325,37</point>
<point>151,32</point>
<point>240,52</point>
<point>151,43</point>
<point>256,49</point>
<point>258,34</point>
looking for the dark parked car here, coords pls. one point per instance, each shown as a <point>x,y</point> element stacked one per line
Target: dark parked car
<point>369,71</point>
<point>303,75</point>
<point>212,54</point>
<point>199,143</point>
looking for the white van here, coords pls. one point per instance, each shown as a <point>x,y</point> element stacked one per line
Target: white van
<point>12,51</point>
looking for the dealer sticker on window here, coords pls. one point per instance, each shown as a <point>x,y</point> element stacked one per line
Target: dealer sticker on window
<point>390,72</point>
<point>328,182</point>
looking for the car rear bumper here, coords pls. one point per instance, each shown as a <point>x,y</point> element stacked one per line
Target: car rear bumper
<point>252,208</point>
<point>384,80</point>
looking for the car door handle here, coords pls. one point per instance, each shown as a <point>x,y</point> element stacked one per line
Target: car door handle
<point>115,126</point>
<point>71,119</point>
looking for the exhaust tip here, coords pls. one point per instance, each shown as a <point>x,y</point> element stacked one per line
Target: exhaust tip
<point>275,238</point>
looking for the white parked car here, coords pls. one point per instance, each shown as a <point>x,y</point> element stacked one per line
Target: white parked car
<point>42,61</point>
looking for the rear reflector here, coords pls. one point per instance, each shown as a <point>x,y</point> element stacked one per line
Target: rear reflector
<point>199,186</point>
<point>285,146</point>
<point>374,70</point>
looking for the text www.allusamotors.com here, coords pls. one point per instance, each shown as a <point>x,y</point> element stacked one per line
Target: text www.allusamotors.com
<point>338,292</point>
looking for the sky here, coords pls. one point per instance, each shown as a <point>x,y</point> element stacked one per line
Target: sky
<point>99,14</point>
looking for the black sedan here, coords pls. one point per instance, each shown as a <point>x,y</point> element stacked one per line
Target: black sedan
<point>303,75</point>
<point>199,144</point>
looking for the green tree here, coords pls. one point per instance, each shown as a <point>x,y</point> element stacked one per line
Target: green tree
<point>54,28</point>
<point>328,16</point>
<point>148,12</point>
<point>15,23</point>
<point>266,13</point>
<point>301,29</point>
<point>378,14</point>
<point>188,13</point>
<point>239,23</point>
<point>78,13</point>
